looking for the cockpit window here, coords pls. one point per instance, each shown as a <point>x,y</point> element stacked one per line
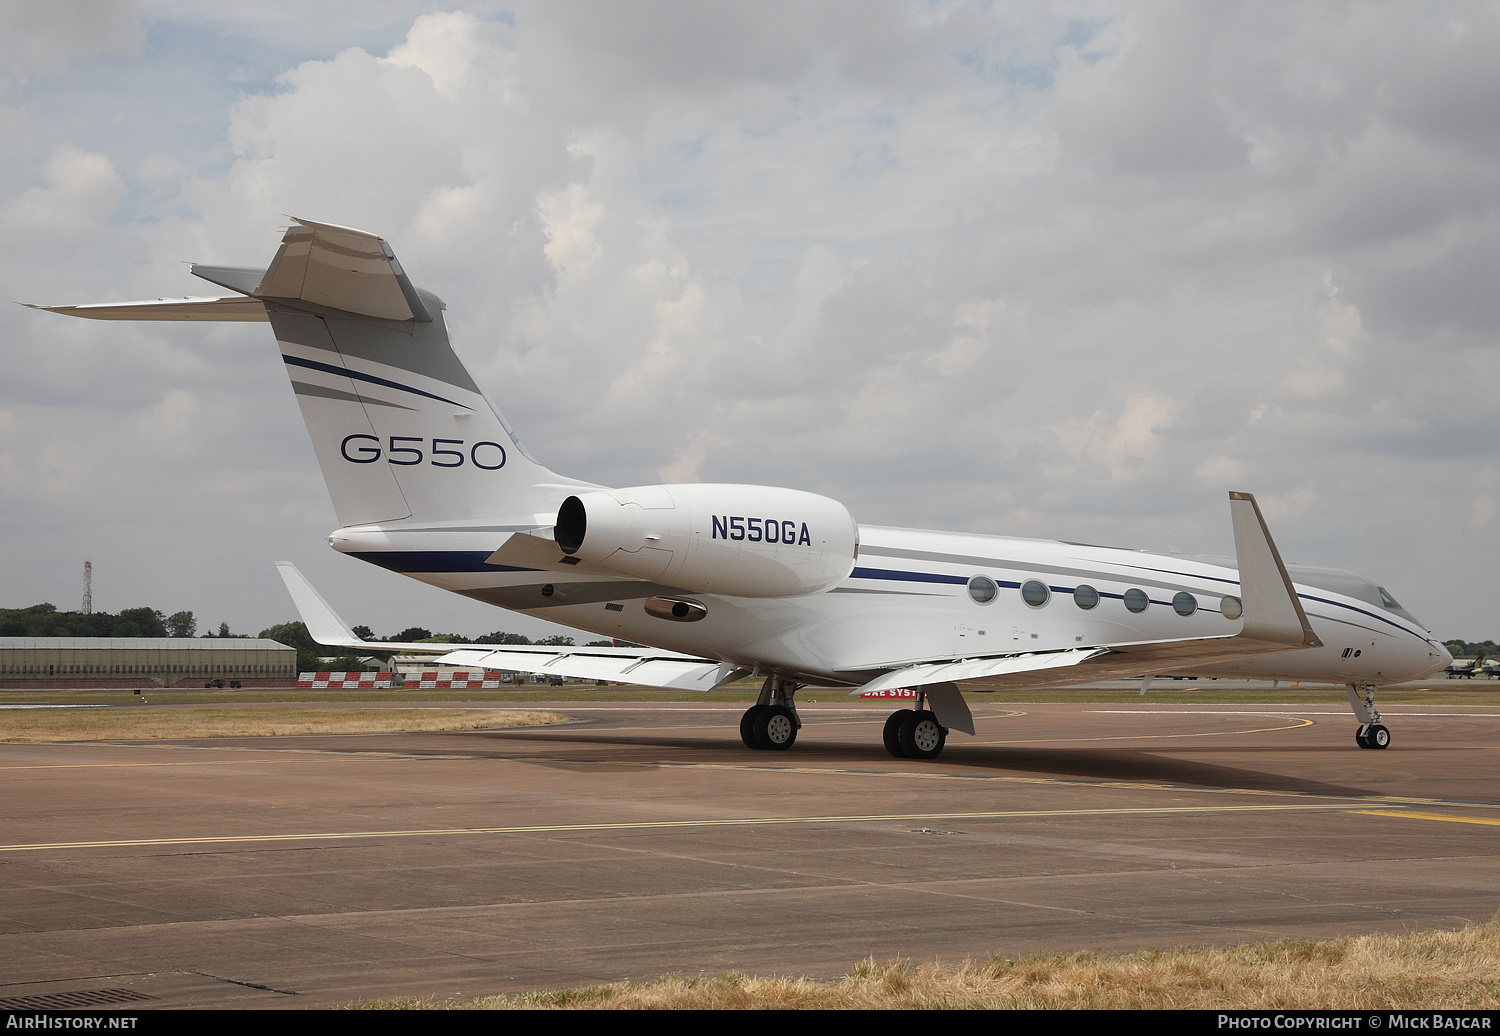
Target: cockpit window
<point>1386,599</point>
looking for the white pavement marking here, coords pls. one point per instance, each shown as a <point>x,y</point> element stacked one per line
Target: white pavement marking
<point>106,706</point>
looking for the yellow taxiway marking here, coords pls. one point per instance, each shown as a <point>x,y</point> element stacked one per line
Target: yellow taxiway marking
<point>1429,816</point>
<point>661,825</point>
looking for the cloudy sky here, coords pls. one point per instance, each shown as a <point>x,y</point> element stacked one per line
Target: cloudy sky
<point>1068,270</point>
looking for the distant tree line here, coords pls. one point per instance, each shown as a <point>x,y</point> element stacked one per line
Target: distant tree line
<point>1472,649</point>
<point>417,634</point>
<point>44,620</point>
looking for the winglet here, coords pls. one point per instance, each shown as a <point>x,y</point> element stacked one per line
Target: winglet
<point>1272,611</point>
<point>325,626</point>
<point>322,622</point>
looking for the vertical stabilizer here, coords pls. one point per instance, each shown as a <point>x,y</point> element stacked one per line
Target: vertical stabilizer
<point>400,428</point>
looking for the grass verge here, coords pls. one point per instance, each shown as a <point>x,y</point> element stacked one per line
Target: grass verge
<point>150,723</point>
<point>1427,970</point>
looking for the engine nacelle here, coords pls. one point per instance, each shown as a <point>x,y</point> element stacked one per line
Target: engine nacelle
<point>742,541</point>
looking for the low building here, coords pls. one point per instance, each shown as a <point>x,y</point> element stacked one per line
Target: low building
<point>54,662</point>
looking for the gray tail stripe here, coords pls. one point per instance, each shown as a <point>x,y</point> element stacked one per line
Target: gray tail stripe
<point>328,368</point>
<point>303,388</point>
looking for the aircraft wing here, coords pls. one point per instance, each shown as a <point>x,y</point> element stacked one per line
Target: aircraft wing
<point>1273,622</point>
<point>646,666</point>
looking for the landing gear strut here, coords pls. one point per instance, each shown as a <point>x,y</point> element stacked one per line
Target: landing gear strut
<point>914,733</point>
<point>1371,732</point>
<point>771,724</point>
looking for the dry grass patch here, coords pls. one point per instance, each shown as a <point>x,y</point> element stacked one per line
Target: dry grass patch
<point>148,722</point>
<point>1429,970</point>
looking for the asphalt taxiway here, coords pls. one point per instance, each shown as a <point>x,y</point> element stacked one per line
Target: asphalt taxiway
<point>643,839</point>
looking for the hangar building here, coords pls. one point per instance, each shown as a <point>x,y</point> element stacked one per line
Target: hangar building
<point>143,661</point>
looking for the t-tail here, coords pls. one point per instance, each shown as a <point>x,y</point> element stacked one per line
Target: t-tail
<point>401,430</point>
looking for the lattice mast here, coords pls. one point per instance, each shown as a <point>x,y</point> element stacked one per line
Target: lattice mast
<point>88,588</point>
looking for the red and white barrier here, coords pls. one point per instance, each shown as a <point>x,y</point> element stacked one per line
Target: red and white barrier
<point>343,681</point>
<point>457,679</point>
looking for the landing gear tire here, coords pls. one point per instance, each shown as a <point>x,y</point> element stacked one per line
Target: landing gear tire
<point>775,728</point>
<point>1373,735</point>
<point>892,732</point>
<point>922,736</point>
<point>747,725</point>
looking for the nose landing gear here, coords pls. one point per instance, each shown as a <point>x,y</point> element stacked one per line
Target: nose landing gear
<point>1371,733</point>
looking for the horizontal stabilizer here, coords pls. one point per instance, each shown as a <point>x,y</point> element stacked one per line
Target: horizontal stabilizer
<point>243,279</point>
<point>226,308</point>
<point>329,267</point>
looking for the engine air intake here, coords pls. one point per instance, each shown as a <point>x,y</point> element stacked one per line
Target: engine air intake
<point>572,525</point>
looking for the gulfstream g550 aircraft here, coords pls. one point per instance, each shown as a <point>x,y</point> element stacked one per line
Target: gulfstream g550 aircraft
<point>725,581</point>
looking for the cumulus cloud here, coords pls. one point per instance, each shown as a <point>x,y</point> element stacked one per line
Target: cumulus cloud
<point>81,191</point>
<point>40,37</point>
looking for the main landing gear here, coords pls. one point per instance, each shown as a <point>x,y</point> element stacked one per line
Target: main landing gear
<point>771,724</point>
<point>1371,733</point>
<point>915,733</point>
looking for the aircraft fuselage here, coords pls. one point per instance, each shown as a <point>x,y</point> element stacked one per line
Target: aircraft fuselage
<point>908,599</point>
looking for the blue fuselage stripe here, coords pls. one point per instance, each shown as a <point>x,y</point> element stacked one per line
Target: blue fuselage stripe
<point>932,577</point>
<point>434,561</point>
<point>328,368</point>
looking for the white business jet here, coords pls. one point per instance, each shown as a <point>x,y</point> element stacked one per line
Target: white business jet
<point>726,581</point>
